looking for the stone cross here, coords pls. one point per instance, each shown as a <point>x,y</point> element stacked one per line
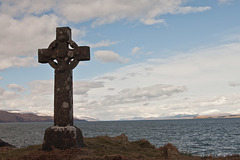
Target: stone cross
<point>63,54</point>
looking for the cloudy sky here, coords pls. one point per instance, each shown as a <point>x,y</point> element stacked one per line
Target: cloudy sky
<point>149,58</point>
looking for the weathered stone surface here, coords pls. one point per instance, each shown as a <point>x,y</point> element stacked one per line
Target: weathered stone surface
<point>68,137</point>
<point>63,99</point>
<point>63,55</point>
<point>5,144</point>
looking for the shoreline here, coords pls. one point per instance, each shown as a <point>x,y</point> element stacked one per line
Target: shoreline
<point>108,148</point>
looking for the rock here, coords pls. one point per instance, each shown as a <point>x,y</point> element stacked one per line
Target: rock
<point>122,138</point>
<point>5,144</point>
<point>144,144</point>
<point>116,157</point>
<point>169,150</point>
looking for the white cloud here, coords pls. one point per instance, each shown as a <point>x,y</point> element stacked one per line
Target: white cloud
<point>78,33</point>
<point>1,78</point>
<point>151,21</point>
<point>138,51</point>
<point>26,7</point>
<point>110,78</point>
<point>211,112</point>
<point>16,87</point>
<point>101,11</point>
<point>20,39</point>
<point>13,61</point>
<point>234,84</point>
<point>126,92</point>
<point>109,56</point>
<point>133,95</point>
<point>215,101</point>
<point>41,87</point>
<point>103,43</point>
<point>135,50</point>
<point>24,29</point>
<point>189,9</point>
<point>82,87</point>
<point>6,95</point>
<point>105,11</point>
<point>225,1</point>
<point>204,72</point>
<point>137,90</point>
<point>23,37</point>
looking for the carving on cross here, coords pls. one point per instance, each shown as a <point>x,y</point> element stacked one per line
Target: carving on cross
<point>59,55</point>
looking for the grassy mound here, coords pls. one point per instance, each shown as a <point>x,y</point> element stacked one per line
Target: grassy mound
<point>105,148</point>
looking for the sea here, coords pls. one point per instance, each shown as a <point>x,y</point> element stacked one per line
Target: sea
<point>203,137</point>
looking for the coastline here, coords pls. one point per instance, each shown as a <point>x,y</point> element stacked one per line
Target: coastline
<point>107,148</point>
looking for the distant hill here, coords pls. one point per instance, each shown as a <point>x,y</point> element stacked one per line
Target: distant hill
<point>25,117</point>
<point>216,116</point>
<point>182,116</point>
<point>178,116</point>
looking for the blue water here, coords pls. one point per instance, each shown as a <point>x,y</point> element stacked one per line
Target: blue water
<point>199,137</point>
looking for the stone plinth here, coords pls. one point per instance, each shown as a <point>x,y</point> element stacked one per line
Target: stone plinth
<point>68,137</point>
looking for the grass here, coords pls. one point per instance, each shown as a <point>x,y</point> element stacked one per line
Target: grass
<point>13,153</point>
<point>121,146</point>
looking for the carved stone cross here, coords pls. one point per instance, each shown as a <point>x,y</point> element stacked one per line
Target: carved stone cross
<point>63,55</point>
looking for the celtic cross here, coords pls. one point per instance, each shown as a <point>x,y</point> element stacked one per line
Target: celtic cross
<point>63,54</point>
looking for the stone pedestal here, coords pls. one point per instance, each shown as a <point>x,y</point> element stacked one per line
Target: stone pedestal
<point>68,137</point>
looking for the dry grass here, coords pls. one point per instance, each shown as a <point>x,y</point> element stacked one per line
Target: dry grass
<point>14,153</point>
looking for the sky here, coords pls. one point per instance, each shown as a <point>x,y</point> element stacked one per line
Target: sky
<point>149,59</point>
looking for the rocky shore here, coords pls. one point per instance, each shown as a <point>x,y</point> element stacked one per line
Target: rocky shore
<point>5,144</point>
<point>104,148</point>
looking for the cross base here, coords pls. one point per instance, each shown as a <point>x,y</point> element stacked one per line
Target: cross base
<point>69,137</point>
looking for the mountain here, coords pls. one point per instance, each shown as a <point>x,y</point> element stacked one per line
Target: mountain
<point>25,117</point>
<point>216,116</point>
<point>182,116</point>
<point>178,116</point>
